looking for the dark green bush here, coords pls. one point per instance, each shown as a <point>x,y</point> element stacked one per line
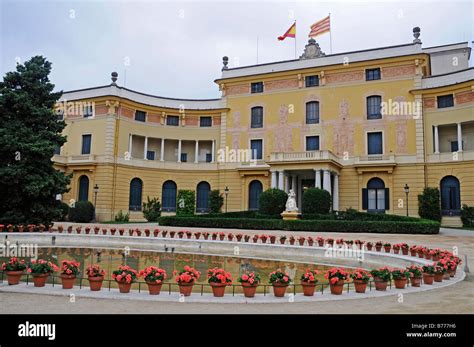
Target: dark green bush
<point>240,214</point>
<point>186,202</point>
<point>82,212</point>
<point>429,206</point>
<point>216,200</point>
<point>317,201</point>
<point>467,215</point>
<point>64,210</point>
<point>122,217</point>
<point>152,209</point>
<point>272,201</point>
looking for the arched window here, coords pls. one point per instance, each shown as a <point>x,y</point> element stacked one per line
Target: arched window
<point>450,196</point>
<point>312,112</point>
<point>374,107</point>
<point>168,197</point>
<point>202,198</point>
<point>375,198</point>
<point>83,188</point>
<point>135,203</point>
<point>255,189</point>
<point>256,117</point>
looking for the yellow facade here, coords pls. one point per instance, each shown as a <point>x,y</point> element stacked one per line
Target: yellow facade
<point>123,148</point>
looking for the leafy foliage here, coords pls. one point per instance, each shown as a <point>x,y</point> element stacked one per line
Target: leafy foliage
<point>272,201</point>
<point>429,206</point>
<point>152,209</point>
<point>122,217</point>
<point>216,200</point>
<point>316,200</point>
<point>82,212</point>
<point>186,202</point>
<point>467,215</point>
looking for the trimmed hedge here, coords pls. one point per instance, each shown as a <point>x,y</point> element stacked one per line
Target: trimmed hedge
<point>272,201</point>
<point>395,227</point>
<point>239,214</point>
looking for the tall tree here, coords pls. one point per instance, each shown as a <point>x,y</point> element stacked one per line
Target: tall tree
<point>29,134</point>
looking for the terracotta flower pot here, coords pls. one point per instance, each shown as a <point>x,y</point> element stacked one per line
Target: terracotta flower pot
<point>272,240</point>
<point>147,232</point>
<point>279,289</point>
<point>378,248</point>
<point>405,251</point>
<point>308,288</point>
<point>428,278</point>
<point>428,256</point>
<point>413,253</point>
<point>387,249</point>
<point>218,289</point>
<point>400,283</point>
<point>438,277</point>
<point>337,288</point>
<point>154,288</point>
<point>310,242</point>
<point>205,236</point>
<point>396,251</point>
<point>282,241</point>
<point>435,257</point>
<point>380,284</point>
<point>124,287</point>
<point>40,279</point>
<point>164,233</point>
<point>321,243</point>
<point>95,283</point>
<point>360,286</point>
<point>452,273</point>
<point>292,242</point>
<point>301,242</point>
<point>239,237</point>
<point>68,281</point>
<point>14,277</point>
<point>249,289</point>
<point>421,255</point>
<point>369,247</point>
<point>186,288</point>
<point>415,281</point>
<point>221,237</point>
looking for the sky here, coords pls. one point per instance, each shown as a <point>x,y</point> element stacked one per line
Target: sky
<point>175,49</point>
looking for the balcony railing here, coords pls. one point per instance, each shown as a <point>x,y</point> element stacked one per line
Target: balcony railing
<point>301,156</point>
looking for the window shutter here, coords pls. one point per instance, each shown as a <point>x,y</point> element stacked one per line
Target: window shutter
<point>387,199</point>
<point>365,199</point>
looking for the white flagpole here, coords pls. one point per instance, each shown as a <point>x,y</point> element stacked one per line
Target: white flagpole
<point>330,33</point>
<point>295,38</point>
<point>257,49</point>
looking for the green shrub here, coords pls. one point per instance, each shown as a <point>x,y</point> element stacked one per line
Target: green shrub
<point>82,212</point>
<point>467,215</point>
<point>152,209</point>
<point>240,214</point>
<point>429,206</point>
<point>64,210</point>
<point>272,201</point>
<point>316,200</point>
<point>216,200</point>
<point>186,202</point>
<point>122,217</point>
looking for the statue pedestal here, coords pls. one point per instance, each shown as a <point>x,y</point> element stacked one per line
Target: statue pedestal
<point>290,215</point>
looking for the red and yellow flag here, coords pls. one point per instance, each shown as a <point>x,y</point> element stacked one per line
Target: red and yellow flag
<point>289,33</point>
<point>320,27</point>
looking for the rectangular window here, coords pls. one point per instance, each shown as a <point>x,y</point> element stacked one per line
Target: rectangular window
<point>172,120</point>
<point>88,111</point>
<point>208,157</point>
<point>205,121</point>
<point>312,112</point>
<point>445,101</point>
<point>184,157</point>
<point>60,114</point>
<point>57,150</point>
<point>372,74</point>
<point>256,87</point>
<point>455,146</point>
<point>374,107</point>
<point>257,117</point>
<point>374,143</point>
<point>150,155</point>
<point>140,116</point>
<point>312,143</point>
<point>256,146</point>
<point>86,144</point>
<point>311,81</point>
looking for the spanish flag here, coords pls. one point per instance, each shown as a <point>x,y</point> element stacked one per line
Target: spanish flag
<point>289,33</point>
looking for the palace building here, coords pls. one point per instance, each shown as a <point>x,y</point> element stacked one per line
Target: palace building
<point>363,125</point>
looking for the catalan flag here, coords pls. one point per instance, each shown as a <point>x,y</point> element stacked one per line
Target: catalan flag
<point>320,27</point>
<point>289,33</point>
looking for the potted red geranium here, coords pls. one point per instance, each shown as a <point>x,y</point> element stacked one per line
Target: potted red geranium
<point>189,234</point>
<point>264,238</point>
<point>218,279</point>
<point>308,282</point>
<point>360,278</point>
<point>20,228</point>
<point>282,239</point>
<point>246,238</point>
<point>87,230</point>
<point>359,243</point>
<point>95,275</point>
<point>440,269</point>
<point>255,238</point>
<point>214,236</point>
<point>180,234</point>
<point>280,281</point>
<point>69,272</point>
<point>301,240</point>
<point>378,246</point>
<point>320,241</point>
<point>416,273</point>
<point>197,235</point>
<point>428,274</point>
<point>400,278</point>
<point>336,277</point>
<point>163,233</point>
<point>124,276</point>
<point>156,232</point>
<point>239,237</point>
<point>396,248</point>
<point>413,250</point>
<point>387,246</point>
<point>96,229</point>
<point>370,245</point>
<point>221,236</point>
<point>205,235</point>
<point>249,282</point>
<point>172,233</point>
<point>78,229</point>
<point>330,241</point>
<point>272,239</point>
<point>230,236</point>
<point>404,248</point>
<point>14,270</point>
<point>186,279</point>
<point>292,240</point>
<point>154,278</point>
<point>381,277</point>
<point>310,241</point>
<point>40,270</point>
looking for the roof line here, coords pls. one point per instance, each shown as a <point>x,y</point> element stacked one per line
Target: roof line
<point>449,73</point>
<point>449,44</point>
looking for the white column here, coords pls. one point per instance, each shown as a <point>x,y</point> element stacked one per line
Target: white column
<point>145,148</point>
<point>335,194</point>
<point>213,150</point>
<point>459,138</point>
<point>317,178</point>
<point>280,179</point>
<point>293,183</point>
<point>436,140</point>
<point>327,181</point>
<point>196,152</point>
<point>179,151</point>
<point>300,194</point>
<point>287,183</point>
<point>162,150</point>
<point>274,179</point>
<point>130,140</point>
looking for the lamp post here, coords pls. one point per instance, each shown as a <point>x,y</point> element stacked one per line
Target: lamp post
<point>226,192</point>
<point>406,189</point>
<point>96,191</point>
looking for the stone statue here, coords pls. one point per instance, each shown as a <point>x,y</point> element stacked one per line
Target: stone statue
<point>291,202</point>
